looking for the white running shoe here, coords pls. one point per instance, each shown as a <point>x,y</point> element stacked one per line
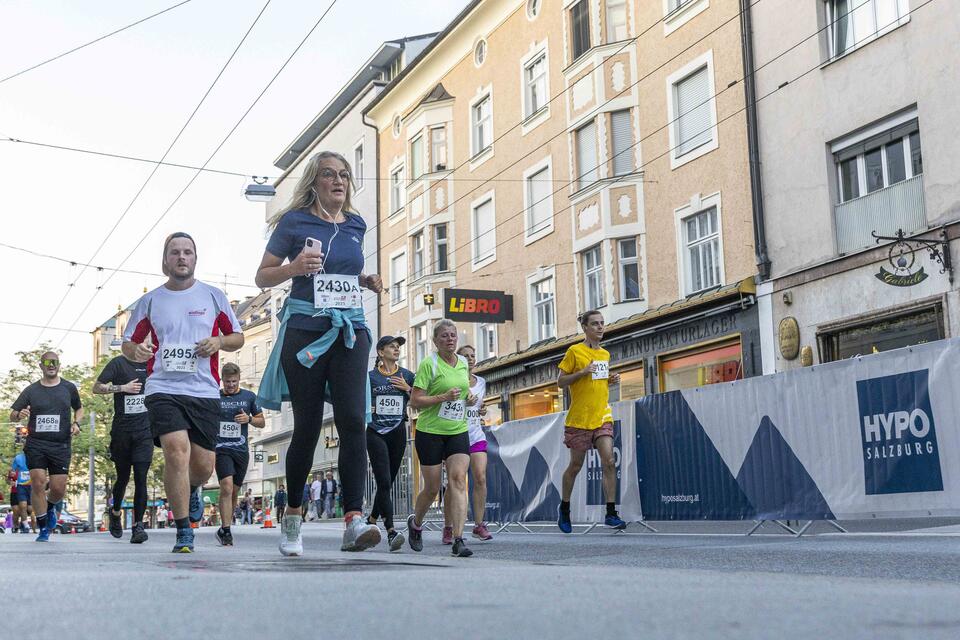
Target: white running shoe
<point>291,541</point>
<point>359,535</point>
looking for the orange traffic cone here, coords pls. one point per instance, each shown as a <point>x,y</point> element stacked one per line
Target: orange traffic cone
<point>103,527</point>
<point>267,519</point>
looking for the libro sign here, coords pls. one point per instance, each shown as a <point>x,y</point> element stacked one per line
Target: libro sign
<point>471,305</point>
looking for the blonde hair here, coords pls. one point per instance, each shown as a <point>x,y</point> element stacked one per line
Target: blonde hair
<point>305,193</point>
<point>441,325</point>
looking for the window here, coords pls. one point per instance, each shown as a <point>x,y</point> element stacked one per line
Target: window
<point>580,27</point>
<point>487,342</point>
<point>482,121</point>
<point>480,52</point>
<point>701,236</point>
<point>673,5</point>
<point>397,126</point>
<point>544,323</point>
<point>254,363</point>
<point>586,143</point>
<point>358,166</point>
<point>420,341</point>
<point>855,22</point>
<point>418,256</point>
<point>402,361</point>
<point>440,256</point>
<point>494,411</point>
<point>621,142</point>
<point>693,126</point>
<point>533,8</point>
<point>539,201</point>
<point>536,402</point>
<point>631,386</point>
<point>880,161</point>
<point>903,329</point>
<point>535,85</point>
<point>700,367</point>
<point>396,190</point>
<point>616,20</point>
<point>398,278</point>
<point>629,269</point>
<point>438,148</point>
<point>484,238</point>
<point>593,277</point>
<point>416,158</point>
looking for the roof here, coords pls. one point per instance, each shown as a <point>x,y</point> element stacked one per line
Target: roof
<point>111,322</point>
<point>439,94</point>
<point>254,310</point>
<point>544,347</point>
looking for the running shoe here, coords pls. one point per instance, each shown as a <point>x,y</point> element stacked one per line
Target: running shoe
<point>448,535</point>
<point>291,541</point>
<point>184,543</point>
<point>44,535</point>
<point>360,535</point>
<point>138,535</point>
<point>460,549</point>
<point>52,517</point>
<point>563,521</point>
<point>396,540</point>
<point>480,532</point>
<point>116,527</point>
<point>196,506</point>
<point>416,535</point>
<point>225,538</point>
<point>615,522</point>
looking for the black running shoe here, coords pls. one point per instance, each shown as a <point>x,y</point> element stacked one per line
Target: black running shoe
<point>225,537</point>
<point>460,549</point>
<point>138,535</point>
<point>396,540</point>
<point>415,536</point>
<point>116,527</point>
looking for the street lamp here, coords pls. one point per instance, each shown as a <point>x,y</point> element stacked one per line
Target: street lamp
<point>259,190</point>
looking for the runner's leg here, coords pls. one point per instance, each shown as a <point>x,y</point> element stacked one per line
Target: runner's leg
<point>38,479</point>
<point>478,482</point>
<point>140,471</point>
<point>571,472</point>
<point>431,485</point>
<point>456,495</point>
<point>176,472</point>
<point>378,452</point>
<point>123,468</point>
<point>608,461</point>
<point>396,447</point>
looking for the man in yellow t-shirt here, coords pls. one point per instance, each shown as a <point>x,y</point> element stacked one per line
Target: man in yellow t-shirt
<point>585,370</point>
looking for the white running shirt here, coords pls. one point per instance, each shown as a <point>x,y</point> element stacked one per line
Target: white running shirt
<point>474,421</point>
<point>176,321</point>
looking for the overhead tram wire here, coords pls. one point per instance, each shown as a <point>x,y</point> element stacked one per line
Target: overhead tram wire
<point>84,46</point>
<point>33,326</point>
<point>156,168</point>
<point>208,160</point>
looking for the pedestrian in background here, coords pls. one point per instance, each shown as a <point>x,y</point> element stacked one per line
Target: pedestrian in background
<point>316,495</point>
<point>328,495</point>
<point>279,503</point>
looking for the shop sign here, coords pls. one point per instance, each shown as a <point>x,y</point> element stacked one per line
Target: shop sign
<point>472,305</point>
<point>789,334</point>
<point>902,259</point>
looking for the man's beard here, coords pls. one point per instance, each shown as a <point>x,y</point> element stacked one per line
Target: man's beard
<point>176,276</point>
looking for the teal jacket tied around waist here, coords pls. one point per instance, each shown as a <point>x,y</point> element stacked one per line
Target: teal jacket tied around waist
<point>273,386</point>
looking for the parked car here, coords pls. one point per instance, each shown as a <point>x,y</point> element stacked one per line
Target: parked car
<point>70,523</point>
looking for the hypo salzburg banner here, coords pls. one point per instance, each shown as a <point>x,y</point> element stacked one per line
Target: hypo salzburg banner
<point>526,461</point>
<point>877,436</point>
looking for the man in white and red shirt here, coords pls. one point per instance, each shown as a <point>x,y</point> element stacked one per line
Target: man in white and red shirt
<point>178,330</point>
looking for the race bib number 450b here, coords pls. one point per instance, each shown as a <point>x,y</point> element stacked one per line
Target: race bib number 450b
<point>332,290</point>
<point>179,358</point>
<point>230,430</point>
<point>389,405</point>
<point>47,424</point>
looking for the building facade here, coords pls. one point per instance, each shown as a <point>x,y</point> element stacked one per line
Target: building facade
<point>857,144</point>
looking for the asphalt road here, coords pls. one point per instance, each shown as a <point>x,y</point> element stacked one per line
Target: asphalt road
<point>705,583</point>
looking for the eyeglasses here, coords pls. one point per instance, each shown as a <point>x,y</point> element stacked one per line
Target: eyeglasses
<point>330,174</point>
<point>50,363</point>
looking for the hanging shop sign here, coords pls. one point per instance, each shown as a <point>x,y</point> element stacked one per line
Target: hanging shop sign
<point>902,258</point>
<point>472,305</point>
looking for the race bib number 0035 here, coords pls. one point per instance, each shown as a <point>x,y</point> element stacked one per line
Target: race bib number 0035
<point>601,370</point>
<point>473,417</point>
<point>331,290</point>
<point>452,410</point>
<point>230,430</point>
<point>389,405</point>
<point>179,358</point>
<point>47,424</point>
<point>133,404</point>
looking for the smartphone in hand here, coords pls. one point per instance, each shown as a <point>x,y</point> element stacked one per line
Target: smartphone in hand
<point>313,248</point>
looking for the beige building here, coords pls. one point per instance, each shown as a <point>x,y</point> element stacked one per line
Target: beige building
<point>573,155</point>
<point>108,337</point>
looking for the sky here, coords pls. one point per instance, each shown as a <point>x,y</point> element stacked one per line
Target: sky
<point>130,94</point>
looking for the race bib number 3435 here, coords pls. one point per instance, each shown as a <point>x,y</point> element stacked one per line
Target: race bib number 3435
<point>332,290</point>
<point>179,358</point>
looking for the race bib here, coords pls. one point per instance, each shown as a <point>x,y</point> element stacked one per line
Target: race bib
<point>179,358</point>
<point>473,417</point>
<point>230,430</point>
<point>452,410</point>
<point>389,405</point>
<point>602,371</point>
<point>336,291</point>
<point>47,424</point>
<point>133,404</point>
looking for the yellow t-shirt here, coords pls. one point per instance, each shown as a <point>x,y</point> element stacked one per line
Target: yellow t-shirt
<point>589,396</point>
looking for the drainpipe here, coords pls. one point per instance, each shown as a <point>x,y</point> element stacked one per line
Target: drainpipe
<point>753,141</point>
<point>376,146</point>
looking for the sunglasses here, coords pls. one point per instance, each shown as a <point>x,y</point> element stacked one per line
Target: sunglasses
<point>50,363</point>
<point>330,174</point>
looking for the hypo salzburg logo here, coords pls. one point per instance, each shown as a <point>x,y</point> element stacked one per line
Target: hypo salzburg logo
<point>897,428</point>
<point>595,469</point>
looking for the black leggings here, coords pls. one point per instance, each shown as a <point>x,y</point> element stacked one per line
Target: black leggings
<point>346,372</point>
<point>386,456</point>
<point>140,470</point>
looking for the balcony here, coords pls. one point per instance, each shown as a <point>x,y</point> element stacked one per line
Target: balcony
<point>899,206</point>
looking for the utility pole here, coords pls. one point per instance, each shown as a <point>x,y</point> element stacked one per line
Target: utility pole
<point>91,486</point>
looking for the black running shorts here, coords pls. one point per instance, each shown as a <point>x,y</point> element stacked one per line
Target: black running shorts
<point>232,462</point>
<point>53,457</point>
<point>131,447</point>
<point>433,449</point>
<point>199,417</point>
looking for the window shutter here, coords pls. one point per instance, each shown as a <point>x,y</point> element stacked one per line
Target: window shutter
<point>587,154</point>
<point>693,112</point>
<point>622,139</point>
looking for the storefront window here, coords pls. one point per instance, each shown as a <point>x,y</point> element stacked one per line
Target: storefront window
<point>535,402</point>
<point>882,335</point>
<point>700,367</point>
<point>494,415</point>
<point>632,384</point>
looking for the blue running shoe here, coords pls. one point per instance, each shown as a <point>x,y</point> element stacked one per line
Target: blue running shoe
<point>51,517</point>
<point>44,535</point>
<point>563,521</point>
<point>184,543</point>
<point>196,506</point>
<point>615,522</point>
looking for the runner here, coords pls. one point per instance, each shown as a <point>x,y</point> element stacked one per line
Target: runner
<point>178,330</point>
<point>22,489</point>
<point>323,343</point>
<point>390,386</point>
<point>585,370</point>
<point>238,410</point>
<point>46,405</point>
<point>441,394</point>
<point>131,443</point>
